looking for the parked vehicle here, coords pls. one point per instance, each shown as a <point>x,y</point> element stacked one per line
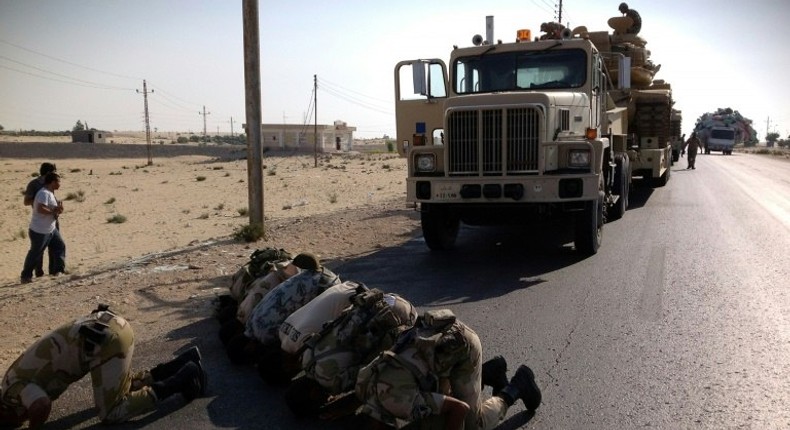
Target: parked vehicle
<point>526,130</point>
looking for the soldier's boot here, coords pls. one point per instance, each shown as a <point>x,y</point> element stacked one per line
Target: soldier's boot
<point>164,370</point>
<point>494,374</point>
<point>522,386</point>
<point>190,381</point>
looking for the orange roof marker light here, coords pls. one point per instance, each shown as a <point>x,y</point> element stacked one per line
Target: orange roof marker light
<point>523,35</point>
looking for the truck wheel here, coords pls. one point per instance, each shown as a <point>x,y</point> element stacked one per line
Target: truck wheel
<point>621,186</point>
<point>439,227</point>
<point>589,227</point>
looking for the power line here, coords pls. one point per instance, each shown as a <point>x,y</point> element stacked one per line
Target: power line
<point>178,98</point>
<point>68,62</point>
<point>74,81</point>
<point>355,101</point>
<point>324,81</point>
<point>549,9</point>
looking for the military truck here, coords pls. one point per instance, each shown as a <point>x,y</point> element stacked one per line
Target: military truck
<point>527,130</point>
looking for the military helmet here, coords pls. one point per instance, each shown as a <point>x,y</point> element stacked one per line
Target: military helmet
<point>306,261</point>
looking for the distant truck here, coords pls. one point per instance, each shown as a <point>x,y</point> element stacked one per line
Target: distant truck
<point>720,139</point>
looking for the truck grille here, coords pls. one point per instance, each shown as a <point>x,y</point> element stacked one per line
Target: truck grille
<point>488,142</point>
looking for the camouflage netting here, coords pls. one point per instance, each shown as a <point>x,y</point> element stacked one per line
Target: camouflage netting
<point>726,118</point>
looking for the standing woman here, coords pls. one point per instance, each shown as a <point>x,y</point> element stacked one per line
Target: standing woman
<point>43,232</point>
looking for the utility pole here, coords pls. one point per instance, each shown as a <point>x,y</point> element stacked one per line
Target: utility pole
<point>252,86</point>
<point>559,14</point>
<point>204,113</point>
<point>147,123</point>
<point>231,126</point>
<point>315,120</point>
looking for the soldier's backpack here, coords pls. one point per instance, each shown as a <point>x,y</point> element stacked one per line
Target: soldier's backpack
<point>261,262</point>
<point>436,340</point>
<point>356,336</point>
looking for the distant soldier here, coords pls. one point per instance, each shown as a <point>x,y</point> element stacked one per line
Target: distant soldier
<point>435,370</point>
<point>101,344</point>
<point>693,145</point>
<point>634,15</point>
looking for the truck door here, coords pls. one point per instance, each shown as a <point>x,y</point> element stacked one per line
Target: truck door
<point>420,93</point>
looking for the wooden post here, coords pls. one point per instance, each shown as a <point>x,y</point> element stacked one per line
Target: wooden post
<point>252,85</point>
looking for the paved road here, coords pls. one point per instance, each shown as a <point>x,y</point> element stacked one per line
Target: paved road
<point>682,320</point>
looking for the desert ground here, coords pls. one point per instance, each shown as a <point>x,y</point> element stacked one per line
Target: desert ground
<point>174,252</point>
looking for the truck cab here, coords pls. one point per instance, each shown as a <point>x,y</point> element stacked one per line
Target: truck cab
<point>510,132</point>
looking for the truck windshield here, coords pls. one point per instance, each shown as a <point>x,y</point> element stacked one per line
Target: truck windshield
<point>723,133</point>
<point>520,71</point>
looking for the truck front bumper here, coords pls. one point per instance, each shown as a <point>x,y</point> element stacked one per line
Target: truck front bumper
<point>509,190</point>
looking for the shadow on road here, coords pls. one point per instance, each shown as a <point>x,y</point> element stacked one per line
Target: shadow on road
<point>486,262</point>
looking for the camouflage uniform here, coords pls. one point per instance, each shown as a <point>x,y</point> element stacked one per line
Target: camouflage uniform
<point>262,261</point>
<point>310,318</point>
<point>411,381</point>
<point>100,344</point>
<point>333,357</point>
<point>261,286</point>
<point>283,300</point>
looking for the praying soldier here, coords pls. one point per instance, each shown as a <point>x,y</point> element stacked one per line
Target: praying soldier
<point>260,335</point>
<point>101,344</point>
<point>435,371</point>
<point>332,357</point>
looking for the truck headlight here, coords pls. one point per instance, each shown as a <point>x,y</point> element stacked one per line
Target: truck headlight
<point>425,163</point>
<point>579,158</point>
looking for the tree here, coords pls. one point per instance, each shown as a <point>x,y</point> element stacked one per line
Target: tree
<point>1,127</point>
<point>772,137</point>
<point>78,126</point>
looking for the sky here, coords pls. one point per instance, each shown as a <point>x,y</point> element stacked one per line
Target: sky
<point>67,60</point>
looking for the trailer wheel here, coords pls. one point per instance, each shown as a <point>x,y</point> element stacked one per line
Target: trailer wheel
<point>439,227</point>
<point>621,186</point>
<point>589,226</point>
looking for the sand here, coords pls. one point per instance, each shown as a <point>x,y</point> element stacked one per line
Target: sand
<point>177,201</point>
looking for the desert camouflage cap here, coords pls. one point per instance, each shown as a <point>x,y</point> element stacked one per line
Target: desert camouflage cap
<point>307,261</point>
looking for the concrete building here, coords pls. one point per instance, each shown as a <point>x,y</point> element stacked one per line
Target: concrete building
<point>90,136</point>
<point>338,137</point>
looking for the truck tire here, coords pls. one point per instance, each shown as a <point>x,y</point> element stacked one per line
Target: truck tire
<point>589,227</point>
<point>621,186</point>
<point>439,227</point>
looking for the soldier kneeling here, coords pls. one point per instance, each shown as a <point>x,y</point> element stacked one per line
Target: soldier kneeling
<point>100,344</point>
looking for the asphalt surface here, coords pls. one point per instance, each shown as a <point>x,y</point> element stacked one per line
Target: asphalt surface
<point>682,319</point>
